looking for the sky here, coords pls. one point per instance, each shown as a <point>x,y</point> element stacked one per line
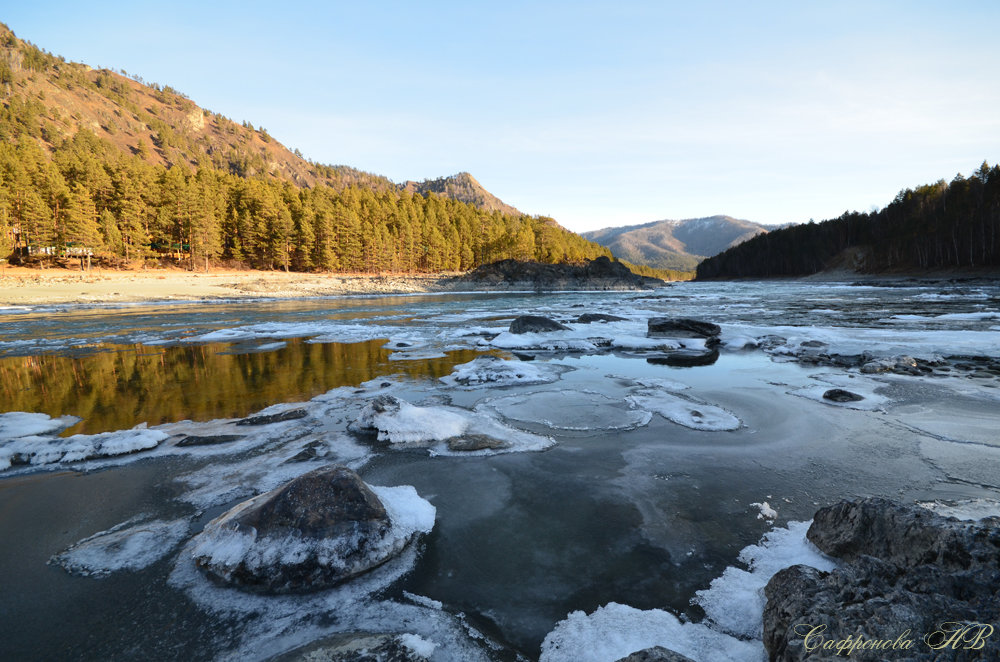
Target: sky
<point>598,114</point>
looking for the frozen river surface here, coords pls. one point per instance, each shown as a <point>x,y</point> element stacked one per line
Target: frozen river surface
<point>622,503</point>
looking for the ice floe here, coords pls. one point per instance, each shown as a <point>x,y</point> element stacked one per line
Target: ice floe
<point>580,411</point>
<point>38,449</point>
<point>127,546</point>
<point>494,371</point>
<point>444,430</point>
<point>686,412</point>
<point>965,509</point>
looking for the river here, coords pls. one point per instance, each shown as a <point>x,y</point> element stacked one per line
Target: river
<point>622,487</point>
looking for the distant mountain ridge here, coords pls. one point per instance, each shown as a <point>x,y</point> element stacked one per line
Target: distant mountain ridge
<point>678,245</point>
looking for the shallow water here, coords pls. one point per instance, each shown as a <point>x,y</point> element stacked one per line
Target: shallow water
<point>626,506</point>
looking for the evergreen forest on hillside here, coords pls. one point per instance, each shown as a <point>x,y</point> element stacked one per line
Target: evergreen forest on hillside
<point>935,226</point>
<point>95,163</point>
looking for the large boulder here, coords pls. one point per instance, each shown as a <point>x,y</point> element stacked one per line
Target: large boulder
<point>318,530</point>
<point>681,327</point>
<point>535,324</point>
<point>909,578</point>
<point>656,654</point>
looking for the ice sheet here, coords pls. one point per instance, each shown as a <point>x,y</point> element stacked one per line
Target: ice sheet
<point>967,509</point>
<point>687,412</point>
<point>615,631</point>
<point>128,546</point>
<point>494,371</point>
<point>582,411</point>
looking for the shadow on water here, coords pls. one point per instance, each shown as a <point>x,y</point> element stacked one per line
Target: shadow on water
<point>122,386</point>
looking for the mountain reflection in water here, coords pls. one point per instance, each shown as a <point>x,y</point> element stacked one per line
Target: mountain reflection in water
<point>117,387</point>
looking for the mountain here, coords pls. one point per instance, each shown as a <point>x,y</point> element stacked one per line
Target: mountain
<point>94,162</point>
<point>939,226</point>
<point>679,245</point>
<point>462,187</point>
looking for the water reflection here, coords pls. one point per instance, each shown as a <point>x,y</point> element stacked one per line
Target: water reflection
<point>121,386</point>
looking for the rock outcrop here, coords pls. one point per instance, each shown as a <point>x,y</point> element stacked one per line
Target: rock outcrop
<point>598,274</point>
<point>923,585</point>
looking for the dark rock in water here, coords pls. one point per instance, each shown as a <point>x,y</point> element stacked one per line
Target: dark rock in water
<point>907,574</point>
<point>686,358</point>
<point>587,318</point>
<point>475,442</point>
<point>656,654</point>
<point>209,440</point>
<point>354,647</point>
<point>318,530</point>
<point>267,419</point>
<point>840,395</point>
<point>680,327</point>
<point>309,453</point>
<point>598,274</point>
<point>535,324</point>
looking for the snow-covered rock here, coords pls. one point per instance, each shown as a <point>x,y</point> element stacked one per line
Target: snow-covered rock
<point>320,529</point>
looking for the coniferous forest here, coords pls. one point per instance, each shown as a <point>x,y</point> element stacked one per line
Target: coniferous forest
<point>94,162</point>
<point>936,226</point>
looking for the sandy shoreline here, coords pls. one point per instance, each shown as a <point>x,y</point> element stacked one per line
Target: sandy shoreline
<point>20,286</point>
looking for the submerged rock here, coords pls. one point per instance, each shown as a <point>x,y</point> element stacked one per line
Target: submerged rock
<point>362,647</point>
<point>841,395</point>
<point>656,654</point>
<point>320,529</point>
<point>267,419</point>
<point>475,442</point>
<point>686,358</point>
<point>588,318</point>
<point>682,327</point>
<point>208,440</point>
<point>907,574</point>
<point>535,324</point>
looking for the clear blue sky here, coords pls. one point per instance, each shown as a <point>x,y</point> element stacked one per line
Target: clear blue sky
<point>596,113</point>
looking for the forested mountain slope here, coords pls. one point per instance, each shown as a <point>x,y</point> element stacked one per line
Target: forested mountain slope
<point>935,226</point>
<point>95,162</point>
<point>675,244</point>
<point>462,187</point>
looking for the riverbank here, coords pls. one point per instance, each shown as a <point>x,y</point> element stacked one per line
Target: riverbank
<point>33,286</point>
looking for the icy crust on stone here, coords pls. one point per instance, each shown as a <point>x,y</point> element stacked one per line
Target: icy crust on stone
<point>686,412</point>
<point>494,371</point>
<point>232,552</point>
<point>443,429</point>
<point>733,604</point>
<point>127,546</point>
<point>50,449</point>
<point>581,411</point>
